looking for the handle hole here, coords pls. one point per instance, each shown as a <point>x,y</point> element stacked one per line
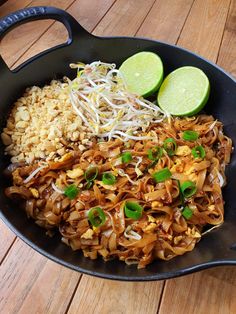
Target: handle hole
<point>31,38</point>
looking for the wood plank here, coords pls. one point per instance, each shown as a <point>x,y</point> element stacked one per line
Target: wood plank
<point>15,43</point>
<point>124,18</point>
<point>56,285</point>
<point>6,239</point>
<point>36,284</point>
<point>227,55</point>
<point>203,30</point>
<point>2,2</point>
<point>87,12</point>
<point>201,293</point>
<point>18,273</point>
<point>95,295</point>
<point>165,12</point>
<point>13,5</point>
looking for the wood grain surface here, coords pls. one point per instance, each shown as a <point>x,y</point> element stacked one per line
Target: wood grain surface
<point>115,297</point>
<point>29,283</point>
<point>89,16</point>
<point>201,293</point>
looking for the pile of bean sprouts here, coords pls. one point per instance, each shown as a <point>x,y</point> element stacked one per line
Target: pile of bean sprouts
<point>100,97</point>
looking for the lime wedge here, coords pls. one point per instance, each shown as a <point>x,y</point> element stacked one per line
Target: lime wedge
<point>143,73</point>
<point>184,91</point>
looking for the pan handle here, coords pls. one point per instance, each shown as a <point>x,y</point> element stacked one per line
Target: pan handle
<point>17,18</point>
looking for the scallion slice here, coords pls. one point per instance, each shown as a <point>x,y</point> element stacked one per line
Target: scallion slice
<point>170,146</point>
<point>91,174</point>
<point>96,217</point>
<point>88,185</point>
<point>180,194</point>
<point>198,152</point>
<point>71,191</point>
<point>188,189</point>
<point>190,135</point>
<point>155,153</point>
<point>187,212</point>
<point>126,157</point>
<point>133,210</point>
<point>161,175</point>
<point>108,178</point>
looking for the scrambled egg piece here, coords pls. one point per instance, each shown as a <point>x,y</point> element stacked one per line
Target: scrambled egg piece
<point>88,234</point>
<point>193,233</point>
<point>34,192</point>
<point>151,219</point>
<point>156,204</point>
<point>189,170</point>
<point>177,239</point>
<point>211,207</point>
<point>183,151</point>
<point>66,157</point>
<point>103,252</point>
<point>75,173</point>
<point>150,227</point>
<point>178,167</point>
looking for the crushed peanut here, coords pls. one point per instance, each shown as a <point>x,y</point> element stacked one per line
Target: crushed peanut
<point>43,124</point>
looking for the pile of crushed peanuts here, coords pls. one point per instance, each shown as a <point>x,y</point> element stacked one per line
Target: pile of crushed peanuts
<point>43,125</point>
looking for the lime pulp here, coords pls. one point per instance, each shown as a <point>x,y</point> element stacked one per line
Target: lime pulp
<point>184,92</point>
<point>143,73</point>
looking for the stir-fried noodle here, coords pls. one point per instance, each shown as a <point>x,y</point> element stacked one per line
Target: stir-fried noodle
<point>113,200</point>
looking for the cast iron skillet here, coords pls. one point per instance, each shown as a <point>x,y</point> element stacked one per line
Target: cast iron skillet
<point>217,247</point>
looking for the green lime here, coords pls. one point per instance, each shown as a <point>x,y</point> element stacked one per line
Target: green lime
<point>184,91</point>
<point>143,73</point>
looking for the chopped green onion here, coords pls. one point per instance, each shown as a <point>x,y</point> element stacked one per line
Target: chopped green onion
<point>71,191</point>
<point>133,210</point>
<point>161,175</point>
<point>153,164</point>
<point>170,146</point>
<point>180,194</point>
<point>96,216</point>
<point>190,135</point>
<point>91,174</point>
<point>126,157</point>
<point>198,152</point>
<point>187,212</point>
<point>108,178</point>
<point>88,185</point>
<point>188,189</point>
<point>155,153</point>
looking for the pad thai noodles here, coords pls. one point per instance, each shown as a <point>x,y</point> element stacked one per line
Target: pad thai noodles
<point>140,191</point>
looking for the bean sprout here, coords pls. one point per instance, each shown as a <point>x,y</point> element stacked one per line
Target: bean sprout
<point>100,97</point>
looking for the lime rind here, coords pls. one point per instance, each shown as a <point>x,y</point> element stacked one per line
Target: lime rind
<point>143,73</point>
<point>184,92</point>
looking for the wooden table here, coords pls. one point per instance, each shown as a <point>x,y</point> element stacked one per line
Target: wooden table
<point>29,283</point>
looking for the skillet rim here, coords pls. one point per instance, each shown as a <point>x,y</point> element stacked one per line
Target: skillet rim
<point>70,42</point>
<point>157,276</point>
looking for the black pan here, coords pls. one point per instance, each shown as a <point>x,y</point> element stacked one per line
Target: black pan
<point>217,247</point>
